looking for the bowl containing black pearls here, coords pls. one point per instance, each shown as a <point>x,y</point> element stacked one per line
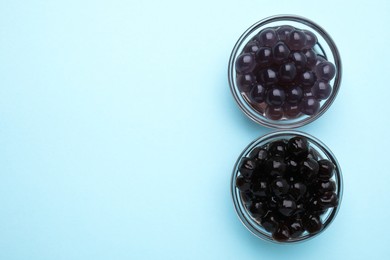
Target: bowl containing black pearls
<point>286,187</point>
<point>284,71</point>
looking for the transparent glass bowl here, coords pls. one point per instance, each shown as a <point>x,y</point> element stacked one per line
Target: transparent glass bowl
<point>325,47</point>
<point>323,153</point>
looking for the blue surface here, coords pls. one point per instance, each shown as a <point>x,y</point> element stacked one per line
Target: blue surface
<point>118,132</point>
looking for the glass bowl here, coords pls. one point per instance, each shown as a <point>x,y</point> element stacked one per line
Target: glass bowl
<point>325,47</point>
<point>322,152</point>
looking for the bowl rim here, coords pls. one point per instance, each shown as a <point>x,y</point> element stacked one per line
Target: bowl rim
<point>251,112</point>
<point>236,199</point>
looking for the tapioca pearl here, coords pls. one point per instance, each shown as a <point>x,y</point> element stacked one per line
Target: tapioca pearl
<point>299,60</point>
<point>310,106</point>
<point>311,39</point>
<point>287,72</point>
<point>252,47</point>
<point>311,58</point>
<point>291,110</point>
<point>280,53</point>
<point>308,78</point>
<point>325,71</point>
<point>283,32</point>
<point>321,90</point>
<point>294,94</point>
<point>257,93</point>
<point>274,113</point>
<point>245,82</point>
<point>267,37</point>
<point>245,63</point>
<point>296,40</point>
<point>264,56</point>
<point>275,96</point>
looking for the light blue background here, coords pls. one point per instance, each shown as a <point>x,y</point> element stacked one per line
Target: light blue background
<point>118,132</point>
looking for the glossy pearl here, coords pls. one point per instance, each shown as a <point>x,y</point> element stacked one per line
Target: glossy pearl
<point>267,37</point>
<point>264,56</point>
<point>277,148</point>
<point>296,40</point>
<point>295,228</point>
<point>268,76</point>
<point>310,106</point>
<point>242,183</point>
<point>247,167</point>
<point>276,96</point>
<point>298,190</point>
<point>260,154</point>
<point>311,39</point>
<point>252,47</point>
<point>245,63</point>
<point>257,93</point>
<point>269,223</point>
<point>276,166</point>
<point>274,113</point>
<point>325,71</point>
<point>280,53</point>
<point>287,72</point>
<point>311,58</point>
<point>280,187</point>
<point>294,94</point>
<point>291,110</point>
<point>326,169</point>
<point>260,188</point>
<point>309,169</point>
<point>308,79</point>
<point>321,90</point>
<point>281,234</point>
<point>312,224</point>
<point>298,147</point>
<point>283,32</point>
<point>299,60</point>
<point>245,82</point>
<point>287,207</point>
